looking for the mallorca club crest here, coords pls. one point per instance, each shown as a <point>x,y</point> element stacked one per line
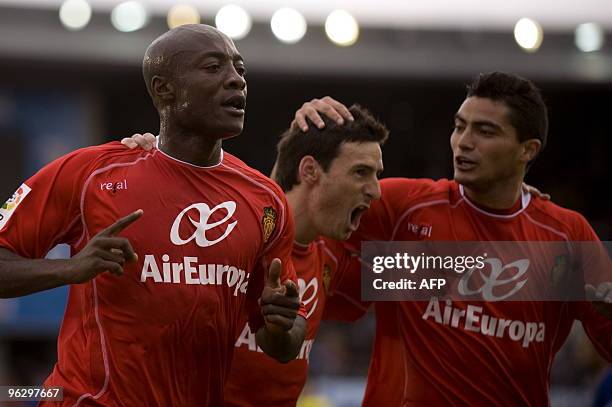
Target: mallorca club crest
<point>326,276</point>
<point>268,221</point>
<point>561,276</point>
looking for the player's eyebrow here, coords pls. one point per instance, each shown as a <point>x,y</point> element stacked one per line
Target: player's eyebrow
<point>368,167</point>
<point>219,55</point>
<point>479,123</point>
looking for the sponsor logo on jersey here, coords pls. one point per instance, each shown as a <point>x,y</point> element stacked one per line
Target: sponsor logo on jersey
<point>473,319</point>
<point>189,270</point>
<point>114,186</point>
<point>8,208</point>
<point>268,222</point>
<point>494,281</point>
<point>308,294</point>
<point>422,230</point>
<point>247,338</point>
<point>202,224</point>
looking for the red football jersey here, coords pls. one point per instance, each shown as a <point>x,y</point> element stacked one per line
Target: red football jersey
<point>258,380</point>
<point>162,334</point>
<point>487,353</point>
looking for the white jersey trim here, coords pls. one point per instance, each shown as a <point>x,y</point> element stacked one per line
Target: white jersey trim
<point>95,288</point>
<point>104,353</point>
<point>525,199</point>
<point>329,252</point>
<point>549,228</point>
<point>202,167</point>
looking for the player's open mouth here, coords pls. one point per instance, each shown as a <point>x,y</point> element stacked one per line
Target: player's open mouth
<point>235,104</point>
<point>462,163</point>
<point>356,216</point>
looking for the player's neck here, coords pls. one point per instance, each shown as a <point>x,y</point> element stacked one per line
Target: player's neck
<point>499,196</point>
<point>189,147</point>
<point>305,231</point>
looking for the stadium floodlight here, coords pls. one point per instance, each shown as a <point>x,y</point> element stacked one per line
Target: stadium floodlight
<point>75,14</point>
<point>129,16</point>
<point>589,37</point>
<point>288,25</point>
<point>528,34</point>
<point>181,14</point>
<point>234,21</point>
<point>341,28</point>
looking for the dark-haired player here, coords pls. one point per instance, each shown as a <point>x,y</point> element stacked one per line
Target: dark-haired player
<point>486,356</point>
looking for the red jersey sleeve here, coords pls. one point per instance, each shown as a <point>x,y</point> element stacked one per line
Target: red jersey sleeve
<point>279,245</point>
<point>597,326</point>
<point>45,210</point>
<point>343,302</point>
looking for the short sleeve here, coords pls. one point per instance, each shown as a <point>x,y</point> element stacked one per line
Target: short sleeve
<point>597,327</point>
<point>593,257</point>
<point>45,209</point>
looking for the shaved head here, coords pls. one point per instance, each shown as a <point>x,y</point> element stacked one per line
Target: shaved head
<point>168,53</point>
<point>195,77</point>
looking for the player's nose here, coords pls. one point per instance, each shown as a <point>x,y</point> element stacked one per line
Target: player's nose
<point>372,190</point>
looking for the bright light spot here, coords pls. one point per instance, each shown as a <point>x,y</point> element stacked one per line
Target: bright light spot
<point>341,28</point>
<point>528,34</point>
<point>589,37</point>
<point>75,14</point>
<point>182,14</point>
<point>129,16</point>
<point>234,21</point>
<point>288,25</point>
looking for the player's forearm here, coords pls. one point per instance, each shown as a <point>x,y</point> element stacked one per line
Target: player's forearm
<point>283,346</point>
<point>20,276</point>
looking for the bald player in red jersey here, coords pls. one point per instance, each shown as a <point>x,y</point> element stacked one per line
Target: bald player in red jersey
<point>330,177</point>
<point>206,248</point>
<point>488,353</point>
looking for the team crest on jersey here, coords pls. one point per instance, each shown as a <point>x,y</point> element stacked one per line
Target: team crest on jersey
<point>7,210</point>
<point>268,222</point>
<point>560,271</point>
<point>326,276</point>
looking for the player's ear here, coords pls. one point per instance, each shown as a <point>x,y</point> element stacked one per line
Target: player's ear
<point>530,149</point>
<point>161,88</point>
<point>309,170</point>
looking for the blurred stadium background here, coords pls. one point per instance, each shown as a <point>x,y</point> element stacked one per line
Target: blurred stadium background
<point>70,77</point>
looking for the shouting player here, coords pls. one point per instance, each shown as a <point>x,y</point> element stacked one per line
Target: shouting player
<point>215,236</point>
<point>485,356</point>
<point>330,177</point>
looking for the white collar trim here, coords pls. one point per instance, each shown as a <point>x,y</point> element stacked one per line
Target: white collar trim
<point>525,200</point>
<point>185,162</point>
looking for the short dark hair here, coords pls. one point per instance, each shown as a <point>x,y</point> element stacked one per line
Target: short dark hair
<point>323,144</point>
<point>528,113</point>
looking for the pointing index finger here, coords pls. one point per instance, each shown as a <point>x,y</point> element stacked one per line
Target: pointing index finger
<point>122,223</point>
